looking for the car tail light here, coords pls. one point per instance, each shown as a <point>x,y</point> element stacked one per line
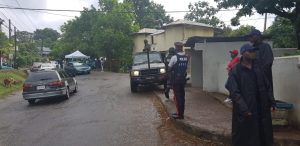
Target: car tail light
<point>57,83</point>
<point>26,86</point>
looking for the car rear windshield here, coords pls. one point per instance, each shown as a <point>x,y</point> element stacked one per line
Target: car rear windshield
<point>41,76</point>
<point>142,58</point>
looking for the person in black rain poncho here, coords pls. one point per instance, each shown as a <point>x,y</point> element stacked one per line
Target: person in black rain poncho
<point>252,100</point>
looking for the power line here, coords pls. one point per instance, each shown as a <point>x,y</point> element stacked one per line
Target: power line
<point>17,22</point>
<point>17,19</point>
<point>253,19</point>
<point>61,10</point>
<point>26,15</point>
<point>54,14</point>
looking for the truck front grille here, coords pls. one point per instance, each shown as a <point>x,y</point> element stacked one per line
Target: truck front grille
<point>149,72</point>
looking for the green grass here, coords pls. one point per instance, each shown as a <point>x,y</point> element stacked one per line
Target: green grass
<point>296,52</point>
<point>18,75</point>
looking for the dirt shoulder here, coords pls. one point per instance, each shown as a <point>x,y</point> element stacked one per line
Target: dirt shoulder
<point>18,77</point>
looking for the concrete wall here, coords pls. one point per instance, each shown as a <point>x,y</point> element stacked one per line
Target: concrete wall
<point>286,82</point>
<point>163,41</point>
<point>279,52</point>
<point>173,34</point>
<point>196,61</point>
<point>159,42</point>
<point>215,57</point>
<point>138,40</point>
<point>197,31</point>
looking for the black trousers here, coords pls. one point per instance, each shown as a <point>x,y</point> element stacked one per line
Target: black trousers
<point>179,97</point>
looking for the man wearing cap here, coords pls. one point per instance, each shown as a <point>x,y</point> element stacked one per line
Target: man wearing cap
<point>264,53</point>
<point>169,81</point>
<point>179,64</point>
<point>234,59</point>
<point>252,101</point>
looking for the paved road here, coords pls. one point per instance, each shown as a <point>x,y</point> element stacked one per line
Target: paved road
<point>103,112</point>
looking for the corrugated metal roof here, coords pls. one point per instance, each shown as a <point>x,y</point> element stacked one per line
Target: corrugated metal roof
<point>187,22</point>
<point>158,32</point>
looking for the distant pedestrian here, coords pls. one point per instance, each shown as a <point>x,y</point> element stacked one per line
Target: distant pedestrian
<point>170,72</point>
<point>179,64</point>
<point>252,100</point>
<point>234,60</point>
<point>264,53</point>
<point>102,60</point>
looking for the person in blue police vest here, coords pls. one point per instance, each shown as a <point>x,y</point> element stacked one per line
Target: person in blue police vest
<point>179,64</point>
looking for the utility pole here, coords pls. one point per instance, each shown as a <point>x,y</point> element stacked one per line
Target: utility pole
<point>15,56</point>
<point>265,25</point>
<point>42,48</point>
<point>9,31</point>
<point>1,22</point>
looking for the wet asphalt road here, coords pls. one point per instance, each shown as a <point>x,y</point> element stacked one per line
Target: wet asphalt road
<point>103,113</point>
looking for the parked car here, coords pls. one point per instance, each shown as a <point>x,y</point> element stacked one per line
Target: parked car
<point>35,66</point>
<point>77,68</point>
<point>47,66</point>
<point>4,67</point>
<point>140,74</point>
<point>48,84</point>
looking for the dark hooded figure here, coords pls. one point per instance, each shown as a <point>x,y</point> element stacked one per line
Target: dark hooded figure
<point>264,53</point>
<point>252,100</point>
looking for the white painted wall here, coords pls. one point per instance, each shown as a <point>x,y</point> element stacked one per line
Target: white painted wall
<point>286,82</point>
<point>286,73</point>
<point>215,57</point>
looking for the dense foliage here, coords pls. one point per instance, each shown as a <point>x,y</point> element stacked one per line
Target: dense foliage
<point>202,12</point>
<point>289,9</point>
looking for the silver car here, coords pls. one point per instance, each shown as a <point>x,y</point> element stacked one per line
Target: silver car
<point>48,84</point>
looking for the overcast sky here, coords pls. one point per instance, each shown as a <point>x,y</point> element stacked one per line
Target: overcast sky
<point>30,20</point>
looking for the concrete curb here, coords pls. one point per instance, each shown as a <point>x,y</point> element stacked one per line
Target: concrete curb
<point>217,137</point>
<point>197,131</point>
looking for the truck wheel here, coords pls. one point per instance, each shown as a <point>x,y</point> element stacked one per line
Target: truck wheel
<point>133,87</point>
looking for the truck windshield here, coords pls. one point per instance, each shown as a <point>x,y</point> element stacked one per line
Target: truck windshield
<point>142,58</point>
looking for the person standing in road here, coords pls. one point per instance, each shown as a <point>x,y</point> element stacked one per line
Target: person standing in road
<point>264,53</point>
<point>234,60</point>
<point>169,81</point>
<point>179,64</point>
<point>252,100</point>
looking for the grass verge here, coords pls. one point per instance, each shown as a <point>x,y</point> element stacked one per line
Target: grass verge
<point>18,75</point>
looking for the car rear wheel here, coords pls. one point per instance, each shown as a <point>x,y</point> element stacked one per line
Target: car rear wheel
<point>133,87</point>
<point>31,101</point>
<point>67,95</point>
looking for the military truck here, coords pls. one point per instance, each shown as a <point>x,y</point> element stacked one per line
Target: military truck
<point>144,73</point>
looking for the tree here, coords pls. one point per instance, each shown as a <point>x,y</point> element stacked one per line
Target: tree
<point>203,13</point>
<point>289,9</point>
<point>28,51</point>
<point>149,14</point>
<point>282,32</point>
<point>47,35</point>
<point>242,30</point>
<point>4,45</point>
<point>104,32</point>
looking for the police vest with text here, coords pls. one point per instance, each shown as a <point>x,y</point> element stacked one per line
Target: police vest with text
<point>180,68</point>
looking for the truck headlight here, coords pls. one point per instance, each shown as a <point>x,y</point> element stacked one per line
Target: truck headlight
<point>135,73</point>
<point>162,70</point>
